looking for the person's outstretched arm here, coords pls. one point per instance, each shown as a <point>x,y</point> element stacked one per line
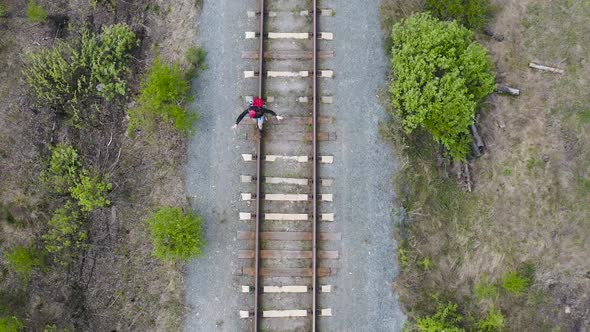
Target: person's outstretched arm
<point>241,116</point>
<point>271,112</point>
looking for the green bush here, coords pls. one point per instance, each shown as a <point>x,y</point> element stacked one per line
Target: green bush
<point>446,318</point>
<point>11,324</point>
<point>91,191</point>
<point>109,4</point>
<point>3,10</point>
<point>66,233</point>
<point>62,173</point>
<point>176,235</point>
<point>69,76</point>
<point>24,259</point>
<point>105,57</point>
<point>441,76</point>
<point>36,13</point>
<point>473,14</point>
<point>515,282</point>
<point>50,328</point>
<point>164,94</point>
<point>493,322</point>
<point>485,290</point>
<point>196,57</point>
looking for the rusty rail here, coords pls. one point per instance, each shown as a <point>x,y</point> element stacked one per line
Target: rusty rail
<point>258,173</point>
<point>315,169</point>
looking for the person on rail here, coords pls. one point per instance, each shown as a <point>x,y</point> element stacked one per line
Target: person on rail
<point>257,112</point>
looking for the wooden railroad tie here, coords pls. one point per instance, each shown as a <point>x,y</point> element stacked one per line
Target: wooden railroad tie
<point>287,272</point>
<point>294,136</point>
<point>287,55</point>
<point>288,236</point>
<point>288,254</point>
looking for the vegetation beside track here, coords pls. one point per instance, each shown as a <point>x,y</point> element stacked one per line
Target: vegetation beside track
<point>510,255</point>
<point>77,190</point>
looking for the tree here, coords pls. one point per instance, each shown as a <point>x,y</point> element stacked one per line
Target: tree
<point>176,235</point>
<point>473,14</point>
<point>62,172</point>
<point>24,259</point>
<point>66,234</point>
<point>71,75</point>
<point>441,76</point>
<point>91,191</point>
<point>164,94</point>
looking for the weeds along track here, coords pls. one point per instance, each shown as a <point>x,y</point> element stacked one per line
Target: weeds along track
<point>283,267</point>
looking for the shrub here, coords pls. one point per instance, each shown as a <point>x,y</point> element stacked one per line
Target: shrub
<point>196,58</point>
<point>50,76</point>
<point>441,77</point>
<point>10,324</point>
<point>164,94</point>
<point>66,234</point>
<point>105,57</point>
<point>91,191</point>
<point>493,322</point>
<point>425,264</point>
<point>176,235</point>
<point>62,172</point>
<point>473,14</point>
<point>24,259</point>
<point>109,4</point>
<point>3,10</point>
<point>70,75</point>
<point>36,13</point>
<point>446,318</point>
<point>516,283</point>
<point>485,290</point>
<point>50,328</point>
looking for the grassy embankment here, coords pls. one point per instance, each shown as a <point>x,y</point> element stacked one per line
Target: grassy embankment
<point>513,251</point>
<point>78,187</point>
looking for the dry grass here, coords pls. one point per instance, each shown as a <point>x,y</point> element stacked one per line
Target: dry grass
<point>118,285</point>
<point>532,194</point>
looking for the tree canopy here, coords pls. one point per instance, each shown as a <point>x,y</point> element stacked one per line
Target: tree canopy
<point>441,76</point>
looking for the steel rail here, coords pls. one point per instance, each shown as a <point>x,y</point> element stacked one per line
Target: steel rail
<point>315,169</point>
<point>258,173</point>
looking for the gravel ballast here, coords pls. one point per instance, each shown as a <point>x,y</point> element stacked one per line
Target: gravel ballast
<point>363,298</point>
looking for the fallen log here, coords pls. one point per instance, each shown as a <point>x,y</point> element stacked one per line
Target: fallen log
<point>546,68</point>
<point>475,149</point>
<point>467,177</point>
<point>502,89</point>
<point>478,142</point>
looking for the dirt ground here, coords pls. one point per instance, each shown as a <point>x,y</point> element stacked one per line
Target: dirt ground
<point>530,201</point>
<point>117,284</point>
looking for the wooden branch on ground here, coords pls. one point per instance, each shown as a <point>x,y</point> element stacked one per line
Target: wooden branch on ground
<point>475,149</point>
<point>546,68</point>
<point>478,145</point>
<point>502,89</point>
<point>467,177</point>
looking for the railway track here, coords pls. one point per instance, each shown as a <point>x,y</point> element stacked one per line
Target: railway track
<point>283,268</point>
